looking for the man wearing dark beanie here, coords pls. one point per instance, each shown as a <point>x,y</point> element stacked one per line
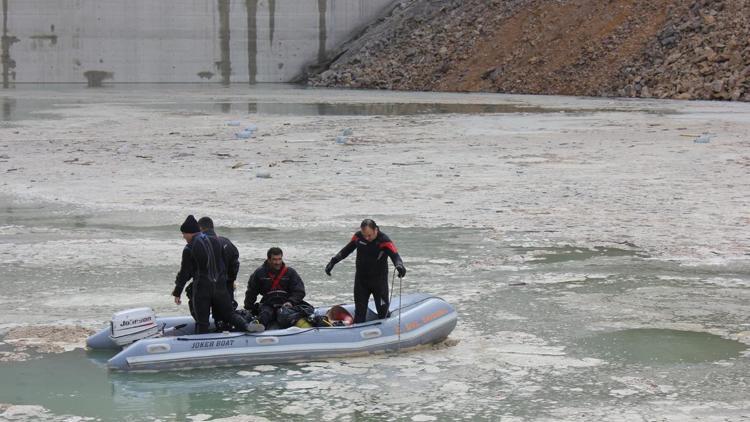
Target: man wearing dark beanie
<point>190,226</point>
<point>203,261</point>
<point>189,229</point>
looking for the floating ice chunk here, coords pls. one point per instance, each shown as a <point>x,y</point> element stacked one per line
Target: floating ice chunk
<point>248,373</point>
<point>22,412</point>
<point>296,409</point>
<point>302,385</point>
<point>622,392</point>
<point>704,138</point>
<point>245,134</point>
<point>455,387</point>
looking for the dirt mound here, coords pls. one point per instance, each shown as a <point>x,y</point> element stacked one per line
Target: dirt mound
<point>42,339</point>
<point>664,48</point>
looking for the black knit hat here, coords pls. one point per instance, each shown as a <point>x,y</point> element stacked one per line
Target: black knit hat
<point>190,225</point>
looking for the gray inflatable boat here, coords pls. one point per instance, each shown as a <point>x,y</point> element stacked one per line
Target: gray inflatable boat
<point>150,343</point>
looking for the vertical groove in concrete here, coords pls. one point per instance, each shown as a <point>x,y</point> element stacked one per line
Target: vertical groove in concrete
<point>252,39</point>
<point>322,30</point>
<point>5,45</point>
<point>272,19</point>
<point>225,66</point>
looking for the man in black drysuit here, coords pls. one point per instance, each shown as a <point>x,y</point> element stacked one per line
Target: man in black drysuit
<point>371,274</point>
<point>204,261</point>
<point>185,274</point>
<point>229,252</point>
<point>281,287</point>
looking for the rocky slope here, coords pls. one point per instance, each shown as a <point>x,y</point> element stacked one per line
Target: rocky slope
<point>687,49</point>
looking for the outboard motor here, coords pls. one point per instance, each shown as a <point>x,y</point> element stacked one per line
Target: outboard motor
<point>132,325</point>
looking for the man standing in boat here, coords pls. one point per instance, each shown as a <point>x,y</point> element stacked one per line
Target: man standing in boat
<point>231,256</point>
<point>371,274</point>
<point>281,287</point>
<point>229,252</point>
<point>203,261</point>
<point>187,264</point>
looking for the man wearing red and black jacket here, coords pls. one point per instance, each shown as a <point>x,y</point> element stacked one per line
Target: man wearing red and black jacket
<point>280,286</point>
<point>371,274</point>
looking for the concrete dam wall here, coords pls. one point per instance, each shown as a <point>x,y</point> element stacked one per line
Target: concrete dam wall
<point>163,41</point>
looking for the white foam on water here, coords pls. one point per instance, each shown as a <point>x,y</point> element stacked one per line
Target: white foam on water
<point>14,230</point>
<point>555,278</point>
<point>241,418</point>
<point>668,411</point>
<point>86,253</point>
<point>33,413</point>
<point>304,385</point>
<point>296,409</point>
<point>114,300</point>
<point>644,386</point>
<point>248,373</point>
<point>729,282</point>
<point>423,418</point>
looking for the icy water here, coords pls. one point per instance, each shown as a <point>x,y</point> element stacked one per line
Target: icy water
<point>33,107</point>
<point>554,323</point>
<point>544,330</point>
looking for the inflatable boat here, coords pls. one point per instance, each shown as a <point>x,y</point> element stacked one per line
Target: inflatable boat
<point>150,343</point>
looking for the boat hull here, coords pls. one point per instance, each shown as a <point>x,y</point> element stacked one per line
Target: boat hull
<point>424,319</point>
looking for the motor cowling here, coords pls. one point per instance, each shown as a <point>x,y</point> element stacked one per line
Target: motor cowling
<point>132,325</point>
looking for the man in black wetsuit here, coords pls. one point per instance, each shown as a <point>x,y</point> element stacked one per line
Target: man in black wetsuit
<point>203,261</point>
<point>189,229</point>
<point>229,252</point>
<point>280,286</point>
<point>371,274</point>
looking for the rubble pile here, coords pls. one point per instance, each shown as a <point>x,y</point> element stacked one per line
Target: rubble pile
<point>685,49</point>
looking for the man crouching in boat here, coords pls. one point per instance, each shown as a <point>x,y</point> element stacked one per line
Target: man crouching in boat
<point>281,287</point>
<point>204,262</point>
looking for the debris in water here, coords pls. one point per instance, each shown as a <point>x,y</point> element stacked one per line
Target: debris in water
<point>44,339</point>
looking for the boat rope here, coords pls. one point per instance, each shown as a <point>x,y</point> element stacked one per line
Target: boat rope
<point>393,277</point>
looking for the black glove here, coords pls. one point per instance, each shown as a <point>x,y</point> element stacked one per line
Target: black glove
<point>401,270</point>
<point>330,265</point>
